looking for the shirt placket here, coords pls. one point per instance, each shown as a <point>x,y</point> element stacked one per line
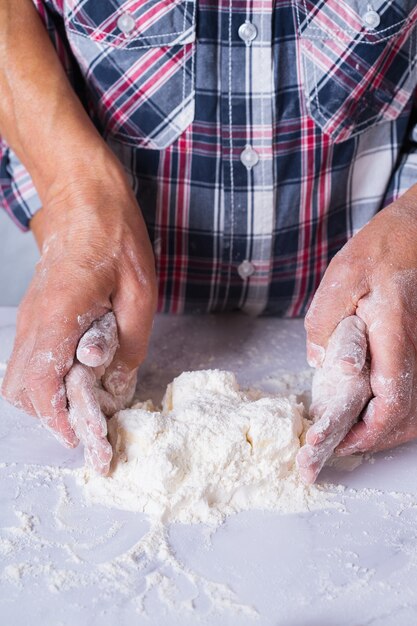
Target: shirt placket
<point>247,131</point>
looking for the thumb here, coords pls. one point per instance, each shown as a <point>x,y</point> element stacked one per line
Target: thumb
<point>347,347</point>
<point>134,309</point>
<point>99,343</point>
<point>336,298</point>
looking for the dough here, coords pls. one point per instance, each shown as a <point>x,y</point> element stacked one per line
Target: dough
<point>211,450</point>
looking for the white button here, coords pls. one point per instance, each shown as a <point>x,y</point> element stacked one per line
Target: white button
<point>247,31</point>
<point>414,134</point>
<point>246,269</point>
<point>126,23</point>
<point>249,157</point>
<point>371,19</point>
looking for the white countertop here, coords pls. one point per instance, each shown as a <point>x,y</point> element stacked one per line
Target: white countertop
<point>356,566</point>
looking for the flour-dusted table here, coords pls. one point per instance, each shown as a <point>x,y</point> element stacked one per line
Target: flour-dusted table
<point>352,565</point>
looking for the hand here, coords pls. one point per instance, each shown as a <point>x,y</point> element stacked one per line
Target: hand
<point>341,389</point>
<point>88,401</point>
<point>375,277</point>
<point>96,257</point>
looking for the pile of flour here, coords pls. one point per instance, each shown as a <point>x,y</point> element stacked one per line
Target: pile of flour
<point>212,450</point>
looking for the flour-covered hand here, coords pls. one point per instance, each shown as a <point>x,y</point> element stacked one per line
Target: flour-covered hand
<point>375,277</point>
<point>96,257</point>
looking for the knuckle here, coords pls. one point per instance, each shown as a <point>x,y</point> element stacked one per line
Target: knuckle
<point>19,401</point>
<point>315,318</point>
<point>43,381</point>
<point>313,326</point>
<point>381,425</point>
<point>148,291</point>
<point>309,323</point>
<point>80,375</point>
<point>398,408</point>
<point>8,394</point>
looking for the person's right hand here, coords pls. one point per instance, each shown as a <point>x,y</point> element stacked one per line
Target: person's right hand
<point>96,257</point>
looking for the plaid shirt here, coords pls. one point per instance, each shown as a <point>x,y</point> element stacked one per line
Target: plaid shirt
<point>258,135</point>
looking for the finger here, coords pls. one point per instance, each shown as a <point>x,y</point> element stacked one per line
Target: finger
<point>402,434</point>
<point>110,403</point>
<point>43,389</point>
<point>321,443</point>
<point>134,309</point>
<point>392,362</point>
<point>374,427</point>
<point>56,425</point>
<point>310,460</point>
<point>52,356</point>
<point>99,343</point>
<point>335,423</point>
<point>342,410</point>
<point>83,404</point>
<point>86,417</point>
<point>12,388</point>
<point>341,387</point>
<point>306,462</point>
<point>347,347</point>
<point>16,392</point>
<point>335,299</point>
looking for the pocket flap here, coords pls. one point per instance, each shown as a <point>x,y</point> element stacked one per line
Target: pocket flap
<point>133,24</point>
<point>356,76</point>
<point>354,20</point>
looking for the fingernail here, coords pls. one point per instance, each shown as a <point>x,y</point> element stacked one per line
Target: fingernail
<point>93,348</point>
<point>315,355</point>
<point>69,442</point>
<point>307,475</point>
<point>313,438</point>
<point>346,451</point>
<point>67,439</point>
<point>91,355</point>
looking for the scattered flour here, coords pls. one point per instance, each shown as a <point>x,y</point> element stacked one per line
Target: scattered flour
<point>211,451</point>
<point>51,541</point>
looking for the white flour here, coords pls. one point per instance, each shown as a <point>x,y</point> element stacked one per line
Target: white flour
<point>81,560</point>
<point>211,451</point>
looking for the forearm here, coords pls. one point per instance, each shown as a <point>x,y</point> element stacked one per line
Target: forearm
<point>41,117</point>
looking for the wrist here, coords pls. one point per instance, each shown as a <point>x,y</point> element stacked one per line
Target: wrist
<point>84,194</point>
<point>74,170</point>
<point>37,226</point>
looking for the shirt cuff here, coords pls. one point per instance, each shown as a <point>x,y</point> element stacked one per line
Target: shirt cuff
<point>18,195</point>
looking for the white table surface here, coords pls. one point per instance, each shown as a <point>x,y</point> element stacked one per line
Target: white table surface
<point>324,568</point>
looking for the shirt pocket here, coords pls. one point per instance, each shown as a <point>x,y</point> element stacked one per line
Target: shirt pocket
<point>137,58</point>
<point>357,61</point>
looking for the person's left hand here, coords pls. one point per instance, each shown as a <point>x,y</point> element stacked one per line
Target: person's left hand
<point>375,278</point>
<point>89,403</point>
<point>341,390</point>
